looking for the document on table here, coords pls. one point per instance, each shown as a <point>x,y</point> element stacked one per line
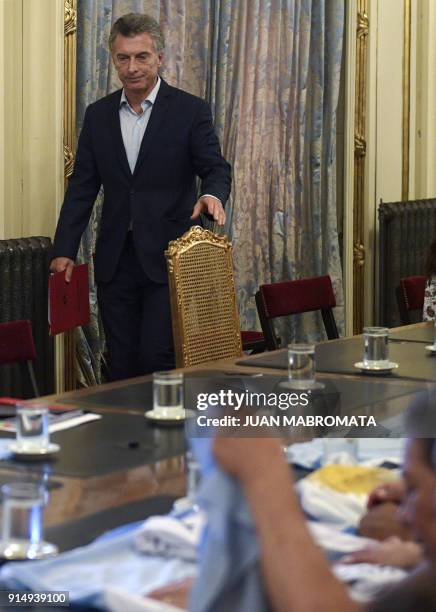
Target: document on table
<point>57,421</point>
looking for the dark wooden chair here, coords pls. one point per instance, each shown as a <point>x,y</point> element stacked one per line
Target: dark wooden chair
<point>17,346</point>
<point>295,297</point>
<point>410,298</point>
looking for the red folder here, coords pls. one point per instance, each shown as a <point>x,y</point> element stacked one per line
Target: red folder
<point>68,302</point>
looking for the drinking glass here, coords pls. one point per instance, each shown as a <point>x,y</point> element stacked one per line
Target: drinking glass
<point>22,525</point>
<point>301,365</point>
<point>193,476</point>
<point>32,428</point>
<point>376,347</point>
<point>167,394</point>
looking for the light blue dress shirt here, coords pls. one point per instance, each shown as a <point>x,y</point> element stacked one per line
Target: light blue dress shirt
<point>133,125</point>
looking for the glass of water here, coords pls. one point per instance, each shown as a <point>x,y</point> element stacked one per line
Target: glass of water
<point>301,365</point>
<point>168,395</point>
<point>22,524</point>
<point>376,347</point>
<point>32,428</point>
<point>193,476</point>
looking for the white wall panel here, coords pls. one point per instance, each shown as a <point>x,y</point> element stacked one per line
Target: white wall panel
<point>389,78</point>
<point>11,118</point>
<point>424,123</point>
<point>42,115</point>
<point>31,116</point>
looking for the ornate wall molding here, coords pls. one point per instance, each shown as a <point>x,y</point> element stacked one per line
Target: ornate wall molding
<point>70,33</point>
<point>70,20</point>
<point>362,24</point>
<point>362,29</point>
<point>359,255</point>
<point>70,28</point>
<point>359,146</point>
<point>68,161</point>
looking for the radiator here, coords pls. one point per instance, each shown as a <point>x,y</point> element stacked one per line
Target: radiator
<point>406,231</point>
<point>24,264</point>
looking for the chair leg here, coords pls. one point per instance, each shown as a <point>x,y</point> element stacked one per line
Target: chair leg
<point>255,347</point>
<point>33,378</point>
<point>330,324</point>
<point>266,324</point>
<point>402,306</point>
<point>28,379</point>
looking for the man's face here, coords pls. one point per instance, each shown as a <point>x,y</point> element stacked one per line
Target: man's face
<point>418,509</point>
<point>137,63</point>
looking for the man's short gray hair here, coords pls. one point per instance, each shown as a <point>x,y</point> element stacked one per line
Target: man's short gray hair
<point>137,23</point>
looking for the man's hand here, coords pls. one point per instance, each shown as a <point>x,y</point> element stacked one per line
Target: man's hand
<point>175,594</point>
<point>387,492</point>
<point>392,551</point>
<point>382,521</point>
<point>211,206</point>
<point>248,459</point>
<point>61,264</point>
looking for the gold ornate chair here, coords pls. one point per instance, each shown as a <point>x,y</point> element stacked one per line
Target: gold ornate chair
<point>203,298</point>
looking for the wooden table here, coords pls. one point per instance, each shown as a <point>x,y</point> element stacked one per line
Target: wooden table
<point>81,497</point>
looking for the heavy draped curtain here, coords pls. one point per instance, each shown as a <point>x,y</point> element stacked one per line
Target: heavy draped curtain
<point>271,72</point>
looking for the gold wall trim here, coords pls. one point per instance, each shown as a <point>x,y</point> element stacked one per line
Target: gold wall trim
<point>70,21</point>
<point>68,161</point>
<point>362,23</point>
<point>359,146</point>
<point>70,50</point>
<point>406,101</point>
<point>359,255</point>
<point>362,29</point>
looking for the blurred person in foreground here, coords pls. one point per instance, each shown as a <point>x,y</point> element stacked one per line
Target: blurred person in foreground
<point>382,521</point>
<point>297,575</point>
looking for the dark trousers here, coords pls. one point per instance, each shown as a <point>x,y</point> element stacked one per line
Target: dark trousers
<point>136,318</point>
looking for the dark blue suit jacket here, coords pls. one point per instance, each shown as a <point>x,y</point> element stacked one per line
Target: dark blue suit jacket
<point>179,144</point>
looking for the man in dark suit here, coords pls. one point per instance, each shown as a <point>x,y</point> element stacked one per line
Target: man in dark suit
<point>145,144</point>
